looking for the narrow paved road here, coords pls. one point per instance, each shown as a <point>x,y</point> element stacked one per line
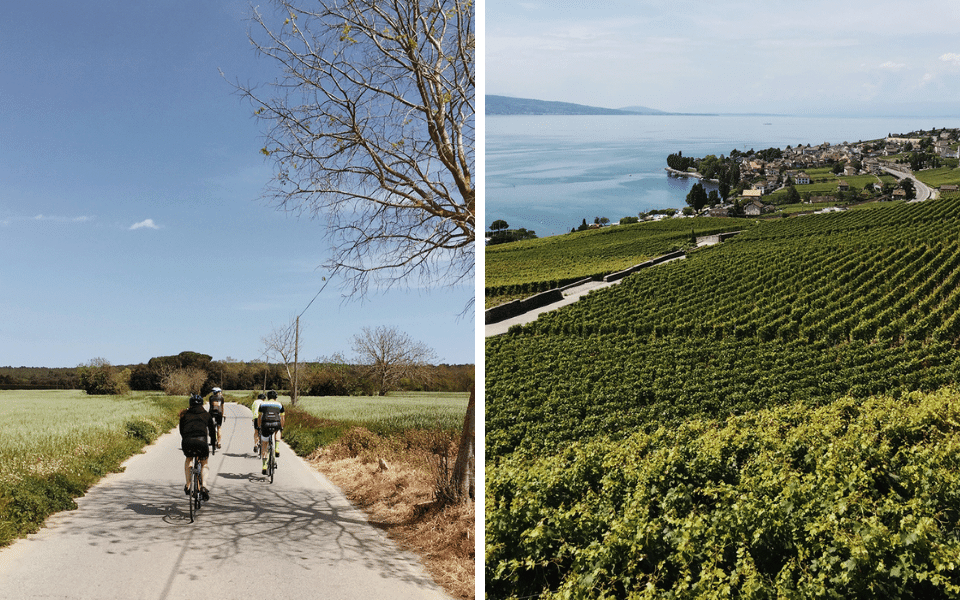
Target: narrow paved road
<point>131,537</point>
<point>924,192</point>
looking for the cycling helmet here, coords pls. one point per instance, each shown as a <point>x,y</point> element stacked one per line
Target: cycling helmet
<point>261,397</point>
<point>196,400</point>
<point>217,390</point>
<point>271,395</point>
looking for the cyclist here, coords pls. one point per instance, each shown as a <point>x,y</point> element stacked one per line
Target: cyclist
<point>195,425</point>
<point>270,421</point>
<point>216,411</point>
<point>256,431</point>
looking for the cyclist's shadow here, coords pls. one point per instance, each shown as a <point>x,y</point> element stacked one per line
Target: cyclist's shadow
<point>241,476</point>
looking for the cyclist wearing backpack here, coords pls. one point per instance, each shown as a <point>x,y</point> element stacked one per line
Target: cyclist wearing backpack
<point>195,425</point>
<point>216,411</point>
<point>256,415</point>
<point>270,423</point>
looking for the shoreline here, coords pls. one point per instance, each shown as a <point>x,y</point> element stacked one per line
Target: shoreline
<point>676,173</point>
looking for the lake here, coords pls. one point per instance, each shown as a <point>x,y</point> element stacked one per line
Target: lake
<point>548,173</point>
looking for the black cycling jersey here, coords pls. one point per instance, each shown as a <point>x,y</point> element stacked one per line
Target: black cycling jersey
<point>270,412</point>
<point>195,422</point>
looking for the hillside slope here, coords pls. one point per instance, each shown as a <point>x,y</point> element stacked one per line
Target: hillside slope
<point>596,415</point>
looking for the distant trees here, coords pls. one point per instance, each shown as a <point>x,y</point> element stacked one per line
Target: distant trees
<point>331,376</point>
<point>906,184</point>
<point>697,197</point>
<point>283,345</point>
<point>184,382</point>
<point>100,377</point>
<point>504,235</point>
<point>724,190</point>
<point>176,374</point>
<point>499,225</point>
<point>389,356</point>
<point>792,195</point>
<point>923,160</point>
<point>679,162</point>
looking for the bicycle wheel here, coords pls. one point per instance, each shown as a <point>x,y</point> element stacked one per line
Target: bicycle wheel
<point>272,462</point>
<point>194,492</point>
<point>197,486</point>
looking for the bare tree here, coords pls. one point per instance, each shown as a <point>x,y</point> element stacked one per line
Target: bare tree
<point>282,345</point>
<point>389,355</point>
<point>183,381</point>
<point>371,128</point>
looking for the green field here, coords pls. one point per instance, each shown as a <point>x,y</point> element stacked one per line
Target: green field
<point>937,177</point>
<point>811,316</point>
<point>55,444</point>
<point>393,413</point>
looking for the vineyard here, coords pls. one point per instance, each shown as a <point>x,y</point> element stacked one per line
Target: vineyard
<point>532,266</point>
<point>796,314</point>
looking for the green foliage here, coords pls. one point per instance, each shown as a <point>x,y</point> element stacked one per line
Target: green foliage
<point>854,499</point>
<point>533,266</point>
<point>319,421</point>
<point>705,425</point>
<point>697,197</point>
<point>99,377</point>
<point>142,430</point>
<point>305,432</point>
<point>511,235</point>
<point>56,444</point>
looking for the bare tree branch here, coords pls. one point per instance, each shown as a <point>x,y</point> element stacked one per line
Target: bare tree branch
<point>389,355</point>
<point>280,345</point>
<point>371,128</point>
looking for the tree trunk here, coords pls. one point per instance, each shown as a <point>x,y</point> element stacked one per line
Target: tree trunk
<point>462,482</point>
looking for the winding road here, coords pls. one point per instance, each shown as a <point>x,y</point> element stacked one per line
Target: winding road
<point>924,192</point>
<point>131,537</point>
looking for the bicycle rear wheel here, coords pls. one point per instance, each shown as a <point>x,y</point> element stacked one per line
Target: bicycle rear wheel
<point>194,493</point>
<point>197,487</point>
<point>272,463</point>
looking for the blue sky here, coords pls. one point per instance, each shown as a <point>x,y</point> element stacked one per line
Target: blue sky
<point>877,57</point>
<point>131,217</point>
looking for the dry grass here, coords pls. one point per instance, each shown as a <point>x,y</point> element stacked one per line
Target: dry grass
<point>398,500</point>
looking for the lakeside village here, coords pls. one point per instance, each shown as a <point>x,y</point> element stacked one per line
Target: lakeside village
<point>798,180</point>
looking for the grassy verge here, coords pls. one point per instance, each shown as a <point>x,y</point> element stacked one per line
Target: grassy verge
<point>346,438</point>
<point>56,444</point>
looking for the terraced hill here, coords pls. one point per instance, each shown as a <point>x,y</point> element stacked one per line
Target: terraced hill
<point>795,314</point>
<point>531,266</point>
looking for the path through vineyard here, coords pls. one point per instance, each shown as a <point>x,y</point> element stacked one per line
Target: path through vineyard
<point>569,297</point>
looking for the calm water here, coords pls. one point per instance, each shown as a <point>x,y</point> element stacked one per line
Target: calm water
<point>548,173</point>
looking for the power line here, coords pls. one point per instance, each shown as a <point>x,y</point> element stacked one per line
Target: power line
<point>315,297</point>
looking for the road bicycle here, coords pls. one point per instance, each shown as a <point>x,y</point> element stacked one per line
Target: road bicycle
<point>272,458</point>
<point>196,495</point>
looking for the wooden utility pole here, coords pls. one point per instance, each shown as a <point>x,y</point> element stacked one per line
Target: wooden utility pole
<point>296,361</point>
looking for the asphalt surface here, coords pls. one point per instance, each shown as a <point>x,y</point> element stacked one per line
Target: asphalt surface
<point>131,537</point>
<point>569,297</point>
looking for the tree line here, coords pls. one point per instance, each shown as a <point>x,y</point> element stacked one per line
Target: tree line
<point>189,372</point>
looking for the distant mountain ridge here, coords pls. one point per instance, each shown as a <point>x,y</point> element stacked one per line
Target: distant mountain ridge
<point>505,105</point>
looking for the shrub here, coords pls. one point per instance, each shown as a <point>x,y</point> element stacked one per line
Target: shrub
<point>141,430</point>
<point>183,382</point>
<point>98,377</point>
